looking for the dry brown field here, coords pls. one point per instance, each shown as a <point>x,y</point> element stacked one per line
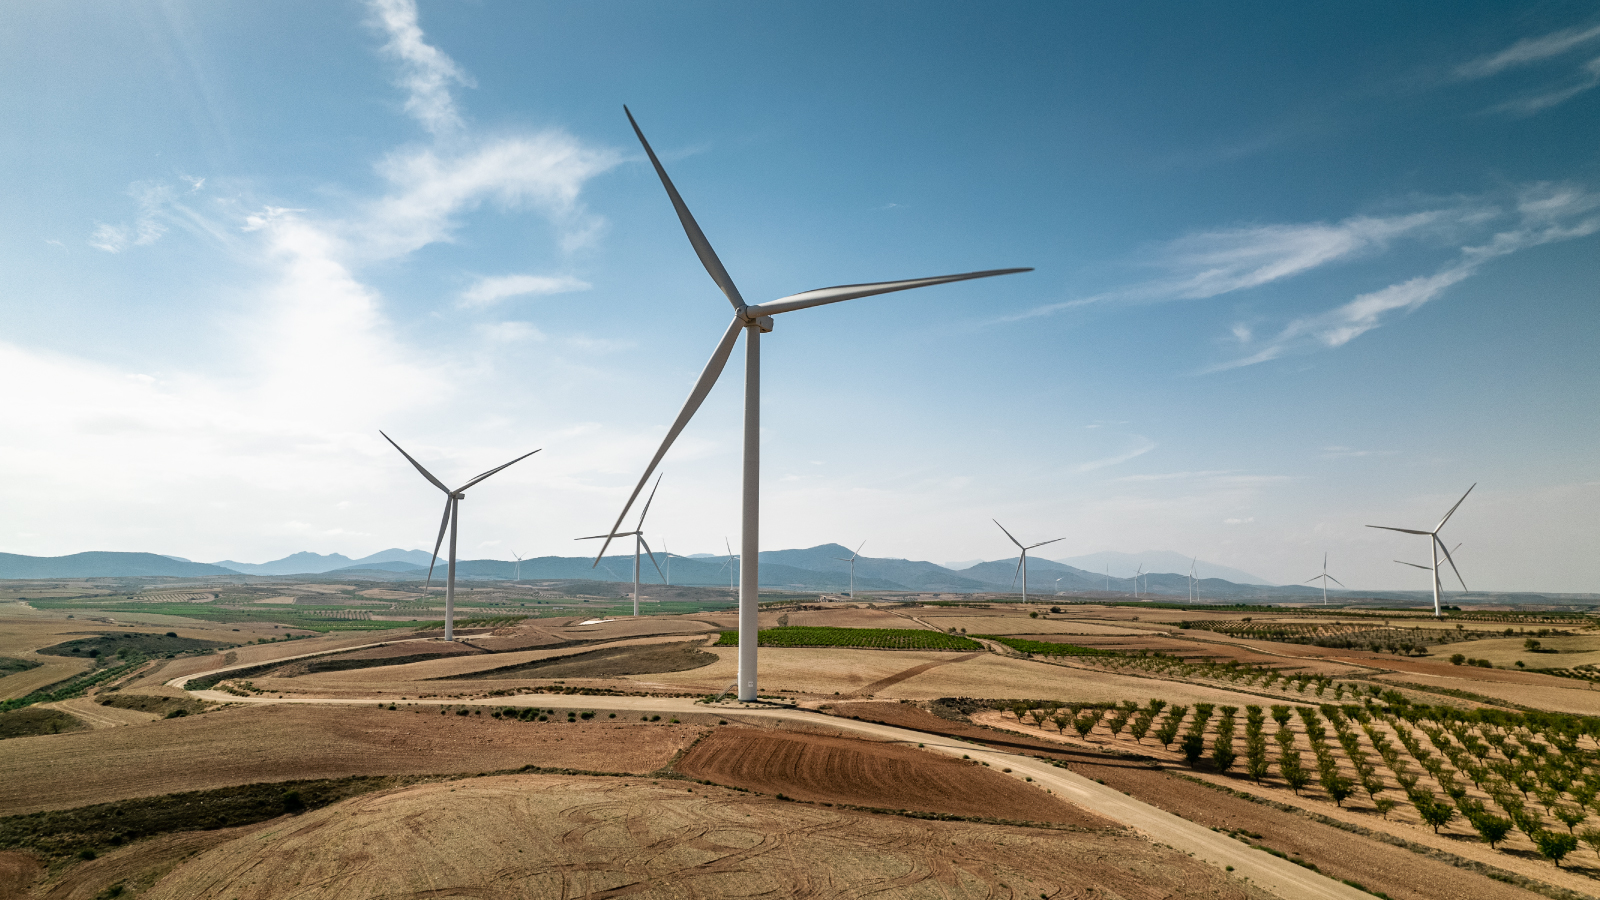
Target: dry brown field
<point>826,769</point>
<point>560,836</point>
<point>283,742</point>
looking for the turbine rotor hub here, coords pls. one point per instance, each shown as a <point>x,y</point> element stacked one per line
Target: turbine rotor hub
<point>762,322</point>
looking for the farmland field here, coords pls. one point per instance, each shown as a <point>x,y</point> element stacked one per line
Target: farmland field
<point>871,638</point>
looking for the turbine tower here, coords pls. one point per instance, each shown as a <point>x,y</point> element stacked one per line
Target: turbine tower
<point>753,321</point>
<point>638,541</point>
<point>1022,561</point>
<point>1434,546</point>
<point>851,559</point>
<point>451,507</point>
<point>1325,577</point>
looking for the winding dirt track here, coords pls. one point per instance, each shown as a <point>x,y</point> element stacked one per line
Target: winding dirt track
<point>1280,877</point>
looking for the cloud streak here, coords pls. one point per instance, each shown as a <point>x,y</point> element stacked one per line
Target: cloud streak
<point>1533,51</point>
<point>1546,214</point>
<point>489,291</point>
<point>426,73</point>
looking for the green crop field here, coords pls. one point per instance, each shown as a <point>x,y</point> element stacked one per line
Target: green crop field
<point>871,638</point>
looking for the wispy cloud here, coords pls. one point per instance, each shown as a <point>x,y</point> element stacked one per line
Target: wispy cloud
<point>1545,213</point>
<point>146,229</point>
<point>1533,51</point>
<point>1211,263</point>
<point>1144,446</point>
<point>1528,50</point>
<point>426,73</point>
<point>1352,453</point>
<point>489,291</point>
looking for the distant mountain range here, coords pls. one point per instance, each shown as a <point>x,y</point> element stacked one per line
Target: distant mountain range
<point>1123,565</point>
<point>811,569</point>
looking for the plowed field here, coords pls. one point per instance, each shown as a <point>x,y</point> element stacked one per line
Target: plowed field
<point>530,836</point>
<point>866,773</point>
<point>283,742</point>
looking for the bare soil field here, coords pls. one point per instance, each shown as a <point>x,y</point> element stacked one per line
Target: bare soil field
<point>841,618</point>
<point>96,716</point>
<point>1024,625</point>
<point>281,742</point>
<point>33,721</point>
<point>135,867</point>
<point>1568,695</point>
<point>557,836</point>
<point>612,662</point>
<point>17,872</point>
<point>827,769</point>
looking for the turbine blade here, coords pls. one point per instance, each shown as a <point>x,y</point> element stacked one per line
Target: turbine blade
<point>444,523</point>
<point>1042,543</point>
<point>1414,565</point>
<point>1309,580</point>
<point>425,473</point>
<point>858,550</point>
<point>1335,580</point>
<point>640,526</point>
<point>697,238</point>
<point>1452,561</point>
<point>821,296</point>
<point>496,469</point>
<point>652,558</point>
<point>1454,508</point>
<point>1008,534</point>
<point>702,387</point>
<point>1018,571</point>
<point>595,537</point>
<point>1405,530</point>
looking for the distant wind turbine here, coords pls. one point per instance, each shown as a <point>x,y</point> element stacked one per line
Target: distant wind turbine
<point>1022,561</point>
<point>754,321</point>
<point>667,555</point>
<point>730,565</point>
<point>451,508</point>
<point>1434,546</point>
<point>1325,578</point>
<point>516,570</point>
<point>1194,583</point>
<point>1136,575</point>
<point>851,559</point>
<point>638,541</point>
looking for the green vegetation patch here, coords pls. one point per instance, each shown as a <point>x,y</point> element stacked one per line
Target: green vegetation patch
<point>66,832</point>
<point>31,722</point>
<point>10,665</point>
<point>1046,648</point>
<point>166,707</point>
<point>76,685</point>
<point>128,643</point>
<point>872,638</point>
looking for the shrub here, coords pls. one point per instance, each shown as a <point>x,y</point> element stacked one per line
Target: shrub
<point>178,713</point>
<point>1492,829</point>
<point>293,802</point>
<point>1554,846</point>
<point>1193,746</point>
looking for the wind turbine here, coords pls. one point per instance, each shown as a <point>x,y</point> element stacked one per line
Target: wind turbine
<point>1192,563</point>
<point>1022,561</point>
<point>451,508</point>
<point>667,555</point>
<point>516,570</point>
<point>1434,546</point>
<point>754,321</point>
<point>1325,577</point>
<point>638,541</point>
<point>1136,575</point>
<point>851,559</point>
<point>729,565</point>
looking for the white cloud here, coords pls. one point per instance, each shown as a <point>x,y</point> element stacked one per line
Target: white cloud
<point>1546,213</point>
<point>1528,50</point>
<point>510,332</point>
<point>1211,263</point>
<point>426,73</point>
<point>491,290</point>
<point>1244,521</point>
<point>1144,446</point>
<point>544,171</point>
<point>148,228</point>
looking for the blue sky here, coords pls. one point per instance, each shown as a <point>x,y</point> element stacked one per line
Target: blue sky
<point>1297,271</point>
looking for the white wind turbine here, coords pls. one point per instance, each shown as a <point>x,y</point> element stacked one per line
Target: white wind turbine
<point>516,570</point>
<point>667,555</point>
<point>451,506</point>
<point>851,559</point>
<point>1434,546</point>
<point>638,541</point>
<point>730,564</point>
<point>1022,561</point>
<point>1325,578</point>
<point>753,321</point>
<point>1136,575</point>
<point>1194,583</point>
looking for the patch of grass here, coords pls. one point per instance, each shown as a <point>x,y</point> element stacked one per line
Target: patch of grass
<point>128,643</point>
<point>1046,648</point>
<point>161,706</point>
<point>10,665</point>
<point>874,638</point>
<point>31,722</point>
